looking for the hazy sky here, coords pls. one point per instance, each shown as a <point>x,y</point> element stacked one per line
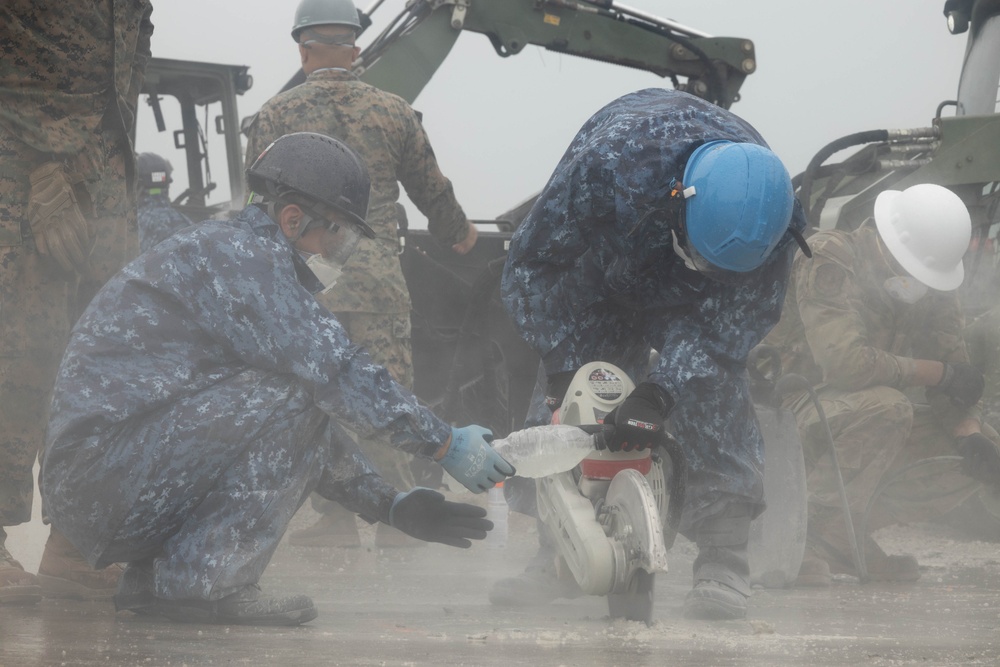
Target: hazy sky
<point>499,125</point>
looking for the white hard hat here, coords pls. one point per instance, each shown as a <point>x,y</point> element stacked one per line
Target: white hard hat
<point>927,229</point>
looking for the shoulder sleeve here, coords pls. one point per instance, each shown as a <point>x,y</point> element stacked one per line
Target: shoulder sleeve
<point>831,302</point>
<point>426,186</point>
<point>252,303</point>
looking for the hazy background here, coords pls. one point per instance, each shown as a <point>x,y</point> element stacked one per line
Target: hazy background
<point>499,125</point>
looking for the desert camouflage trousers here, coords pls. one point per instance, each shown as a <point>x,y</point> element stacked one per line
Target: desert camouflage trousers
<point>386,337</point>
<point>38,305</point>
<point>878,434</point>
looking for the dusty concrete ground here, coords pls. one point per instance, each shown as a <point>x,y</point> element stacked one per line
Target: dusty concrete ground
<point>428,606</point>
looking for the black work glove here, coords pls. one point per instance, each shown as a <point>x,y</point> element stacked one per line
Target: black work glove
<point>556,387</point>
<point>638,421</point>
<point>426,515</point>
<point>962,383</point>
<point>980,458</point>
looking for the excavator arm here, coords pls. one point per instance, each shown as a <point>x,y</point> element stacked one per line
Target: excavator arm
<point>404,57</point>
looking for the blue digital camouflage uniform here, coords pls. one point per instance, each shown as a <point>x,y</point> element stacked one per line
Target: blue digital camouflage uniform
<point>158,220</point>
<point>191,412</point>
<point>592,275</point>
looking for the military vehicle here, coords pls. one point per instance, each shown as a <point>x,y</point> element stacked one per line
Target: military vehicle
<point>469,364</point>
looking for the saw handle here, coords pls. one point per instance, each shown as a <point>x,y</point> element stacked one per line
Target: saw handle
<point>602,433</point>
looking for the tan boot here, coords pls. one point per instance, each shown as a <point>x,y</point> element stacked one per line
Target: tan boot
<point>334,529</point>
<point>63,573</point>
<point>814,571</point>
<point>836,552</point>
<point>16,585</point>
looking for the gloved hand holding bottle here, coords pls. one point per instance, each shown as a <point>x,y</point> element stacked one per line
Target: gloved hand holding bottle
<point>469,458</point>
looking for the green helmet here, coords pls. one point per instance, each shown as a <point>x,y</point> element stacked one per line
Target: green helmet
<point>325,12</point>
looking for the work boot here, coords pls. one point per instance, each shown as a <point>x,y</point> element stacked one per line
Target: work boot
<point>721,570</point>
<point>540,583</point>
<point>334,529</point>
<point>16,585</point>
<point>63,573</point>
<point>135,591</point>
<point>711,600</point>
<point>387,537</point>
<point>836,552</point>
<point>245,607</point>
<point>814,571</point>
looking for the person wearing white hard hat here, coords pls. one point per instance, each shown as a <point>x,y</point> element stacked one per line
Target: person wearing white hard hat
<point>873,322</point>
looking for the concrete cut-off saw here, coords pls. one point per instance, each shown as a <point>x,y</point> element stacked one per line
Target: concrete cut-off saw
<point>604,510</point>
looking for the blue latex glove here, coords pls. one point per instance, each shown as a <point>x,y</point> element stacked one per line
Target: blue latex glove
<point>472,461</point>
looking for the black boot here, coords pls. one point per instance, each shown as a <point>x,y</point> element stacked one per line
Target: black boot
<point>245,607</point>
<point>721,571</point>
<point>135,588</point>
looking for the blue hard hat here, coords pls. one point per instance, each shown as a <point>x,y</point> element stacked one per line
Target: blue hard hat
<point>738,203</point>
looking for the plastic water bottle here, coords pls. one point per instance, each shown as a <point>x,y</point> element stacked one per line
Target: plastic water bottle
<point>540,451</point>
<point>497,511</point>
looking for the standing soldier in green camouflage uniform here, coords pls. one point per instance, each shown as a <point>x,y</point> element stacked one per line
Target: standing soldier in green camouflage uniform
<point>872,315</point>
<point>371,300</point>
<point>70,75</point>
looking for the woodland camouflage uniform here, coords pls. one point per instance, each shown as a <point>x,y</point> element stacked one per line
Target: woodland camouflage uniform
<point>857,345</point>
<point>371,299</point>
<point>70,75</point>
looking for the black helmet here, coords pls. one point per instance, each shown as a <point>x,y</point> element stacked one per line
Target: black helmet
<point>154,171</point>
<point>316,172</point>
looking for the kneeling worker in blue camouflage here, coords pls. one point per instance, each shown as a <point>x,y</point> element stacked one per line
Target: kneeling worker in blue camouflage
<point>193,409</point>
<point>668,225</point>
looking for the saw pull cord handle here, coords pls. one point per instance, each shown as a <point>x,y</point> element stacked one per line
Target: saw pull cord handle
<point>678,475</point>
<point>792,382</point>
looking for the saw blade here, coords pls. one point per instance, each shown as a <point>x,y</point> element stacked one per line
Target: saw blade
<point>636,522</point>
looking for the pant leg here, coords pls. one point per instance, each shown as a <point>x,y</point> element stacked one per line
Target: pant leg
<point>721,441</point>
<point>927,491</point>
<point>34,327</point>
<point>206,486</point>
<point>112,218</point>
<point>870,428</point>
